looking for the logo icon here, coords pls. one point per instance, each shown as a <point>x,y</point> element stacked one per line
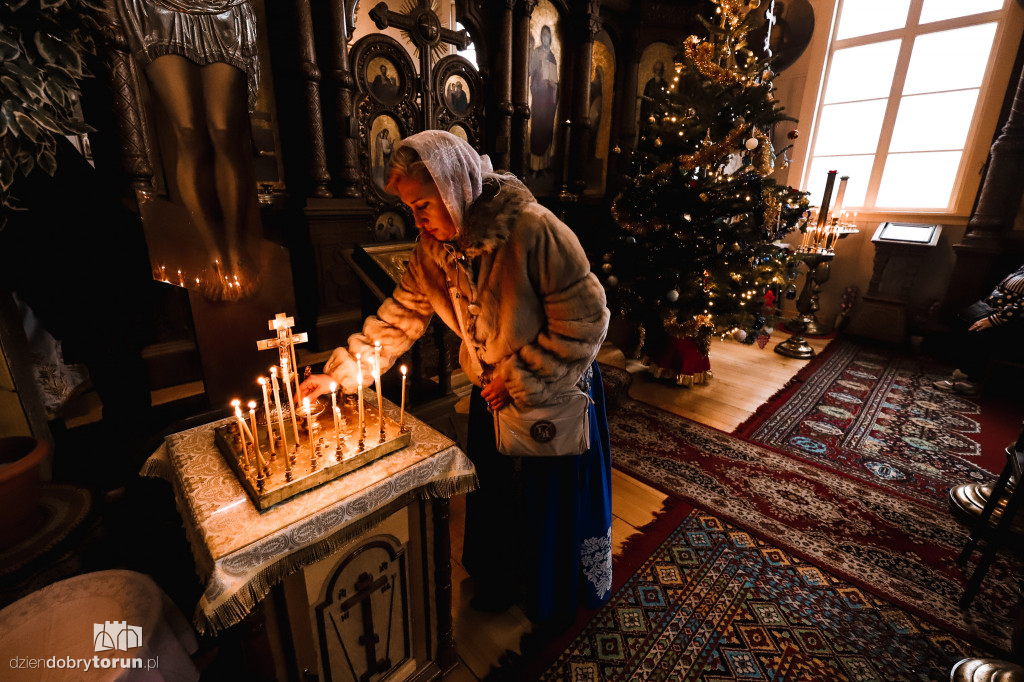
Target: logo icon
<point>116,635</point>
<point>542,431</point>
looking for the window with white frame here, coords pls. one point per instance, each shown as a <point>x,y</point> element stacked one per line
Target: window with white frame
<point>898,102</point>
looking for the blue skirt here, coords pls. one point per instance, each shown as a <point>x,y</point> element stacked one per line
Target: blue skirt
<point>540,528</point>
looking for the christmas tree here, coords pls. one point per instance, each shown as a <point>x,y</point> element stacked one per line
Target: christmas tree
<point>695,251</point>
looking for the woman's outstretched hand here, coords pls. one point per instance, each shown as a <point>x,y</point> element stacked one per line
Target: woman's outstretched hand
<point>496,394</point>
<point>314,387</point>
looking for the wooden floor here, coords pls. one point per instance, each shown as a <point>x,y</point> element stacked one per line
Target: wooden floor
<point>745,377</point>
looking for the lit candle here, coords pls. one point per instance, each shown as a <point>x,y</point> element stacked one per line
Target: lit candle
<point>255,434</point>
<point>334,409</point>
<point>242,428</point>
<point>309,423</point>
<point>280,415</point>
<point>380,396</point>
<point>339,439</point>
<point>401,414</point>
<point>295,363</point>
<point>181,280</point>
<point>266,408</point>
<point>362,425</point>
<point>291,400</point>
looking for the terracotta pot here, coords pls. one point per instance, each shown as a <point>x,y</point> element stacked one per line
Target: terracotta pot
<point>20,457</point>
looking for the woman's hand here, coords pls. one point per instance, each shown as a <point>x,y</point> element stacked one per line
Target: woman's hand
<point>496,394</point>
<point>314,387</point>
<point>983,323</point>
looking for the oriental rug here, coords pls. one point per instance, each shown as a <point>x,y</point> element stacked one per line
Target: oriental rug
<point>874,414</point>
<point>714,602</point>
<point>898,549</point>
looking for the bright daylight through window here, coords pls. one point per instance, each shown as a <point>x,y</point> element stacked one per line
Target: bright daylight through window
<point>898,100</point>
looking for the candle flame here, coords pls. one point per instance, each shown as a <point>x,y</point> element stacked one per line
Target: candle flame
<point>334,386</point>
<point>252,404</point>
<point>261,381</point>
<point>273,372</point>
<point>404,370</point>
<point>235,403</point>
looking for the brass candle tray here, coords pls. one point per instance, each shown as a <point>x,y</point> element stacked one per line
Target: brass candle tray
<point>305,467</point>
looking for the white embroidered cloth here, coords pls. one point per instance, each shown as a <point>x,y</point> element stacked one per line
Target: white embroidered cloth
<point>241,552</point>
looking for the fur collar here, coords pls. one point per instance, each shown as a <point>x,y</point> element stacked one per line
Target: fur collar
<point>488,221</point>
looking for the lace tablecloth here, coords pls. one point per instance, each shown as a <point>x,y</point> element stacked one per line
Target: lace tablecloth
<point>241,552</point>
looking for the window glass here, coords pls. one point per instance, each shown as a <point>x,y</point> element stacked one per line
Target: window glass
<point>918,180</point>
<point>932,122</point>
<point>863,72</point>
<point>857,167</point>
<point>863,17</point>
<point>937,10</point>
<point>949,60</point>
<point>850,128</point>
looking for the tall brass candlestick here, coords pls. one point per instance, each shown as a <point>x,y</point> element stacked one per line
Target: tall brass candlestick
<point>255,435</point>
<point>242,428</point>
<point>837,210</point>
<point>266,408</point>
<point>291,401</point>
<point>280,417</point>
<point>401,414</point>
<point>823,209</point>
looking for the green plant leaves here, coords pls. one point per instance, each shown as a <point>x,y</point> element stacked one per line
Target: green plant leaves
<point>57,52</point>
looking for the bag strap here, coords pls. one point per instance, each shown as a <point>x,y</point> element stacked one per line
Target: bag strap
<point>455,296</point>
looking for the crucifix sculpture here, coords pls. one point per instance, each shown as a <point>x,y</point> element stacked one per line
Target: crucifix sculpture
<point>425,31</point>
<point>285,343</point>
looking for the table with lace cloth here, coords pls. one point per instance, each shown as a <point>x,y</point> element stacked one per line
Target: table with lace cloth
<point>241,552</point>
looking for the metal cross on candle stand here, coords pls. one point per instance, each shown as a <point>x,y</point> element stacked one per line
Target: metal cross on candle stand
<point>425,31</point>
<point>285,343</point>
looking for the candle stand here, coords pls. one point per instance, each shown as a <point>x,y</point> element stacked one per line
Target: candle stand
<point>818,271</point>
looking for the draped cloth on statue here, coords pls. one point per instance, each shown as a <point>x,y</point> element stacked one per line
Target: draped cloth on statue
<point>240,552</point>
<point>204,31</point>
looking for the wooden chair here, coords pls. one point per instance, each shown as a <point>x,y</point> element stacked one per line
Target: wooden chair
<point>994,535</point>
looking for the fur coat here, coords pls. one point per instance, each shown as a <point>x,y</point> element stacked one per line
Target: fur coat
<point>523,289</point>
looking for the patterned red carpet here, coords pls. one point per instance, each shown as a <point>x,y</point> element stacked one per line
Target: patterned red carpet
<point>901,550</point>
<point>876,416</point>
<point>716,603</point>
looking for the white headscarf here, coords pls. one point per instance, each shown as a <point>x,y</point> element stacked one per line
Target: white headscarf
<point>458,170</point>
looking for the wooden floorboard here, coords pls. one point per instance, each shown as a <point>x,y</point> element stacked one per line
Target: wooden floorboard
<point>745,377</point>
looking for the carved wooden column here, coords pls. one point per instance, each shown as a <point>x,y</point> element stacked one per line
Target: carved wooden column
<point>521,91</point>
<point>314,117</point>
<point>584,48</point>
<point>992,221</point>
<point>342,75</point>
<point>503,77</point>
<point>131,130</point>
